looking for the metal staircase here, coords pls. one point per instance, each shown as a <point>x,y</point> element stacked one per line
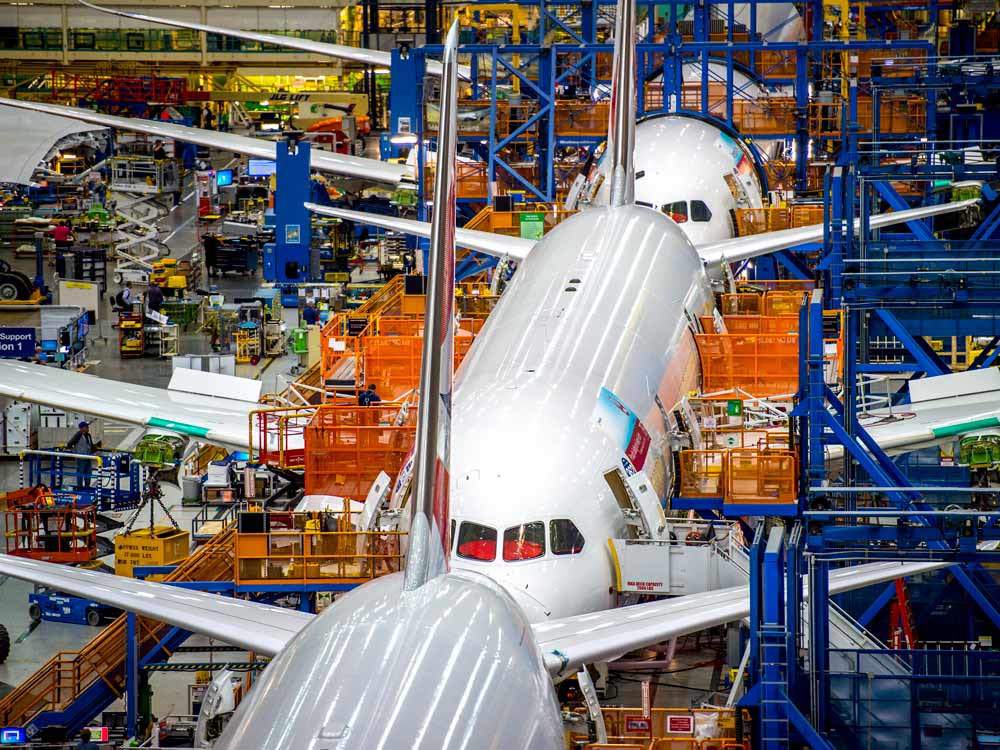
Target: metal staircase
<point>74,686</point>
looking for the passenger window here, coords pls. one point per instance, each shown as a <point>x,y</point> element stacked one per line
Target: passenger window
<point>700,212</point>
<point>678,211</point>
<point>477,542</point>
<point>565,537</point>
<point>524,542</point>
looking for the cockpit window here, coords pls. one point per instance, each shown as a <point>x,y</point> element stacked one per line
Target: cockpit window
<point>565,537</point>
<point>524,542</point>
<point>700,212</point>
<point>477,542</point>
<point>678,211</point>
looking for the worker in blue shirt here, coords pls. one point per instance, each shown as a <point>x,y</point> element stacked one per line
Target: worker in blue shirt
<point>369,396</point>
<point>310,315</point>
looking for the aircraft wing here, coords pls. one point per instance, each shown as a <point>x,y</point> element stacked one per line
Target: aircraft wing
<point>324,161</point>
<point>941,407</point>
<point>221,421</point>
<point>488,243</point>
<point>376,58</point>
<point>257,627</point>
<point>741,248</point>
<point>570,642</point>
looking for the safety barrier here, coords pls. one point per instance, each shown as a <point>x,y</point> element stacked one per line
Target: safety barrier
<point>509,222</point>
<point>702,473</point>
<point>897,115</point>
<point>670,728</point>
<point>392,363</point>
<point>49,532</point>
<point>347,446</point>
<point>757,220</point>
<point>315,548</point>
<point>740,475</point>
<point>758,364</point>
<point>277,436</point>
<point>470,180</point>
<point>581,117</point>
<point>744,324</point>
<point>775,302</point>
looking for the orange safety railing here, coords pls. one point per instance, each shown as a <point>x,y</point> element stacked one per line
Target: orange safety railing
<point>392,363</point>
<point>757,220</point>
<point>509,222</point>
<point>740,475</point>
<point>277,436</point>
<point>316,548</point>
<point>53,533</point>
<point>721,722</point>
<point>69,673</point>
<point>470,179</point>
<point>758,364</point>
<point>575,117</point>
<point>702,473</point>
<point>347,447</point>
<point>761,476</point>
<point>897,115</point>
<point>782,324</point>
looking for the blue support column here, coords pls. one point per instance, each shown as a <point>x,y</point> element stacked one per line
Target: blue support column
<point>131,674</point>
<point>289,258</point>
<point>774,647</point>
<point>819,641</point>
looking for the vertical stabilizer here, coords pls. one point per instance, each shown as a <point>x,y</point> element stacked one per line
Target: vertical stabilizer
<point>427,556</point>
<point>621,127</point>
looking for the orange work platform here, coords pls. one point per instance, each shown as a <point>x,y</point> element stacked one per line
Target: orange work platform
<point>756,220</point>
<point>740,475</point>
<point>662,726</point>
<point>347,446</point>
<point>277,436</point>
<point>574,117</point>
<point>757,364</point>
<point>314,548</point>
<point>775,302</point>
<point>40,529</point>
<point>744,324</point>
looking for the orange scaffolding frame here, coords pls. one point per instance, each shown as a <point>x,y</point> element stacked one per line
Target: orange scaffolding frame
<point>315,548</point>
<point>347,446</point>
<point>740,475</point>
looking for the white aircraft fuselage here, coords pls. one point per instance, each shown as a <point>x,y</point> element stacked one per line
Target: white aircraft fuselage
<point>595,319</point>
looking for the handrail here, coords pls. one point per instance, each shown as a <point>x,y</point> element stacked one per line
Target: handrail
<point>66,675</point>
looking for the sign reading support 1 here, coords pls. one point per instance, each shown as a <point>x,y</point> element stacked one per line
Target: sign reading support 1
<point>17,342</point>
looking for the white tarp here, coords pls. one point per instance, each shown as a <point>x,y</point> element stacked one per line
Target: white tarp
<point>26,138</point>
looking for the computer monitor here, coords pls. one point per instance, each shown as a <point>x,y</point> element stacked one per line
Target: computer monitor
<point>224,177</point>
<point>260,168</point>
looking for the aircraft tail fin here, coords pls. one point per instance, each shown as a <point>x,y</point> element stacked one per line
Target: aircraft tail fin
<point>427,556</point>
<point>621,125</point>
